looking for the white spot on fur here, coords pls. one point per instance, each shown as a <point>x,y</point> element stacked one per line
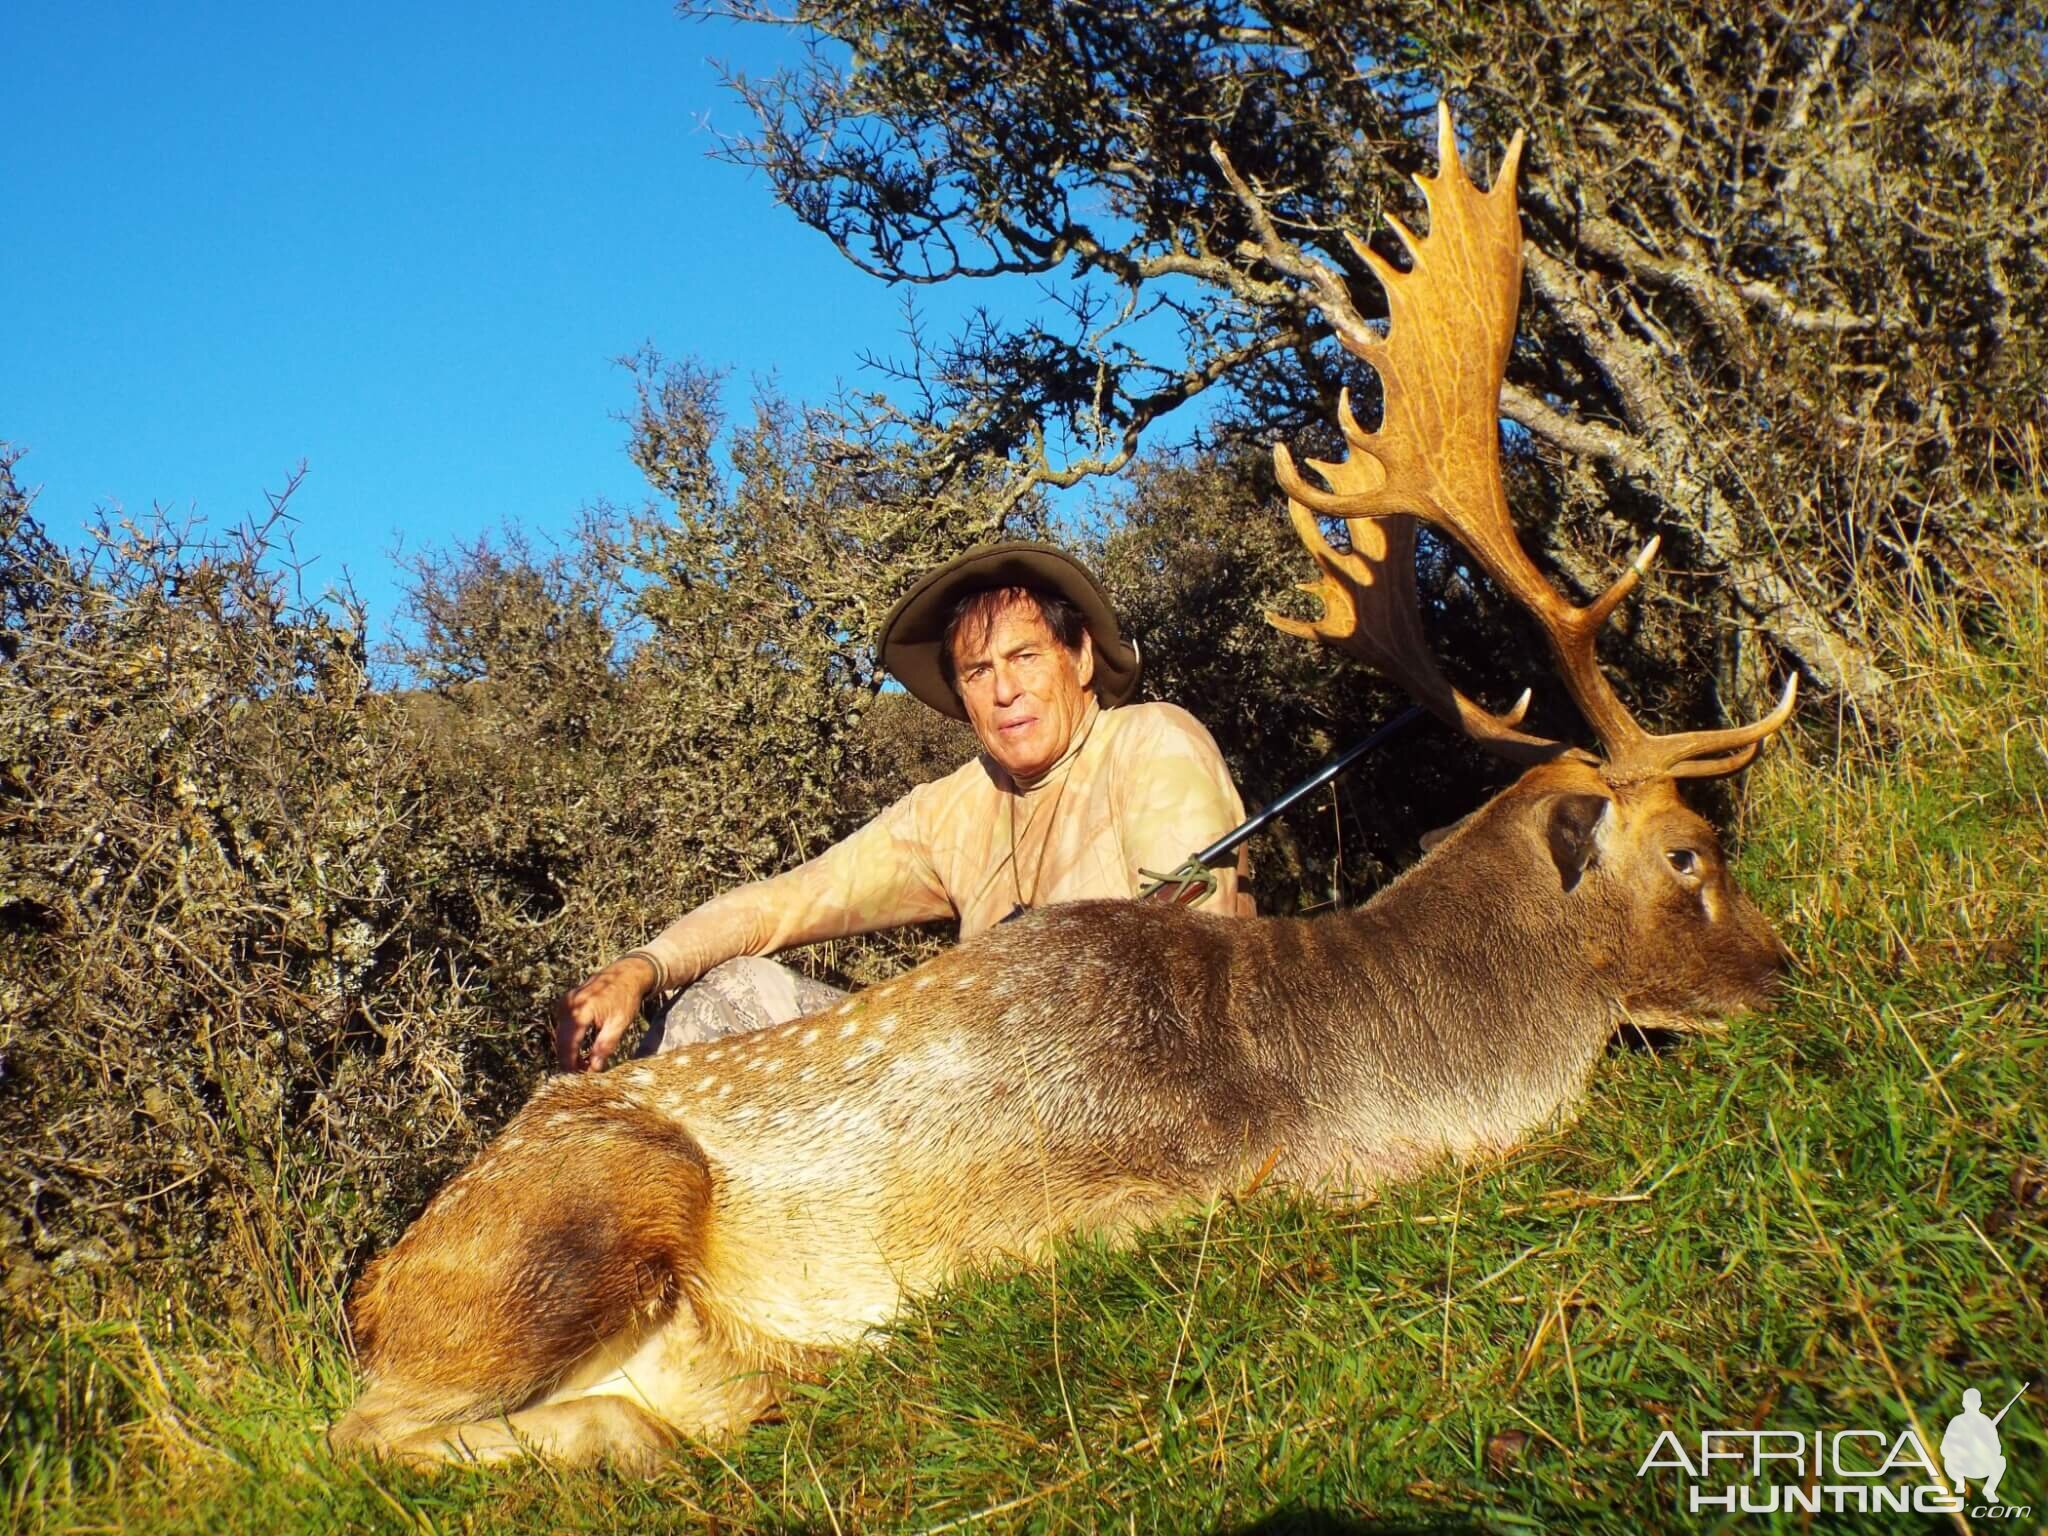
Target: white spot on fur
<point>771,1067</point>
<point>887,1023</point>
<point>807,1074</point>
<point>713,1055</point>
<point>923,981</point>
<point>724,1089</point>
<point>809,1037</point>
<point>844,1009</point>
<point>848,1028</point>
<point>965,982</point>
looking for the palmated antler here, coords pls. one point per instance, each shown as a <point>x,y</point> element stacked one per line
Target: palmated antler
<point>1372,612</point>
<point>1436,456</point>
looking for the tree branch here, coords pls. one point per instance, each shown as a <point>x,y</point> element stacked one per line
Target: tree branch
<point>1333,295</point>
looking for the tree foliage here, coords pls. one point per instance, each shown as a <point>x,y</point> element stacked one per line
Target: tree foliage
<point>276,943</point>
<point>217,951</point>
<point>1771,250</point>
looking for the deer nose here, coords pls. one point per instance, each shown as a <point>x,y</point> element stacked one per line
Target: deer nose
<point>1772,965</point>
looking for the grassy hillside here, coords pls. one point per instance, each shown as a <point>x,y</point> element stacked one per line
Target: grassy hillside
<point>1835,1215</point>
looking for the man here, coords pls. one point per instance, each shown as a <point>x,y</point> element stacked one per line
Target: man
<point>1074,795</point>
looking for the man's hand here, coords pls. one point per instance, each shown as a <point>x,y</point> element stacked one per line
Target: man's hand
<point>599,1011</point>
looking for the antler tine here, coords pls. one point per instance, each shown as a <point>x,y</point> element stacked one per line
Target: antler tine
<point>1436,455</point>
<point>1371,611</point>
<point>1710,754</point>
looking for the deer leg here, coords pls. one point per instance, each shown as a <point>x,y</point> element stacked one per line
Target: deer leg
<point>572,1230</point>
<point>688,1377</point>
<point>629,1400</point>
<point>582,1430</point>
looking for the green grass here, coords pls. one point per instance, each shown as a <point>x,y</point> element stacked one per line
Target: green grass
<point>1833,1215</point>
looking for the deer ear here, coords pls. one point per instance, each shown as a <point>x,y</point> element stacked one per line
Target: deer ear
<point>1435,835</point>
<point>1574,833</point>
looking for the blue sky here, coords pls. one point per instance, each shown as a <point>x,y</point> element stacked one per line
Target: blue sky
<point>402,243</point>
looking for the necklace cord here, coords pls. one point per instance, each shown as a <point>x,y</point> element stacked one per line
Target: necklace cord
<point>1051,819</point>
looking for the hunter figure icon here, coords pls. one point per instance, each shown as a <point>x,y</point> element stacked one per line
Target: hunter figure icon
<point>1969,1446</point>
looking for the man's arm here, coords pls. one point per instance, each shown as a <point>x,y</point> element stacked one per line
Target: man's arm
<point>1174,796</point>
<point>878,877</point>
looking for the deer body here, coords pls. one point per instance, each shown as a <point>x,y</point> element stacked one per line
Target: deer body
<point>739,1210</point>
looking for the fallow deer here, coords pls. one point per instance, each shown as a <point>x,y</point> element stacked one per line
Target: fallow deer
<point>656,1252</point>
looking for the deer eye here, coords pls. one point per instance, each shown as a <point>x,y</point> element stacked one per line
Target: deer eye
<point>1683,860</point>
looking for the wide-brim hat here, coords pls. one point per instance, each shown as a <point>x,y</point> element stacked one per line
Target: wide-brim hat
<point>914,633</point>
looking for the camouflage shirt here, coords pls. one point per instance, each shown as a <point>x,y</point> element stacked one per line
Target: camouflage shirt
<point>1142,788</point>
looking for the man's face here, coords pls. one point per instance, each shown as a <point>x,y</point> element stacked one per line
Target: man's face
<point>1024,692</point>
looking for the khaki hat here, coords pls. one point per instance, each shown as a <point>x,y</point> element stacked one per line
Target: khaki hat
<point>914,633</point>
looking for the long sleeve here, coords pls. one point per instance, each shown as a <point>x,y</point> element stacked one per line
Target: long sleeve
<point>880,876</point>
